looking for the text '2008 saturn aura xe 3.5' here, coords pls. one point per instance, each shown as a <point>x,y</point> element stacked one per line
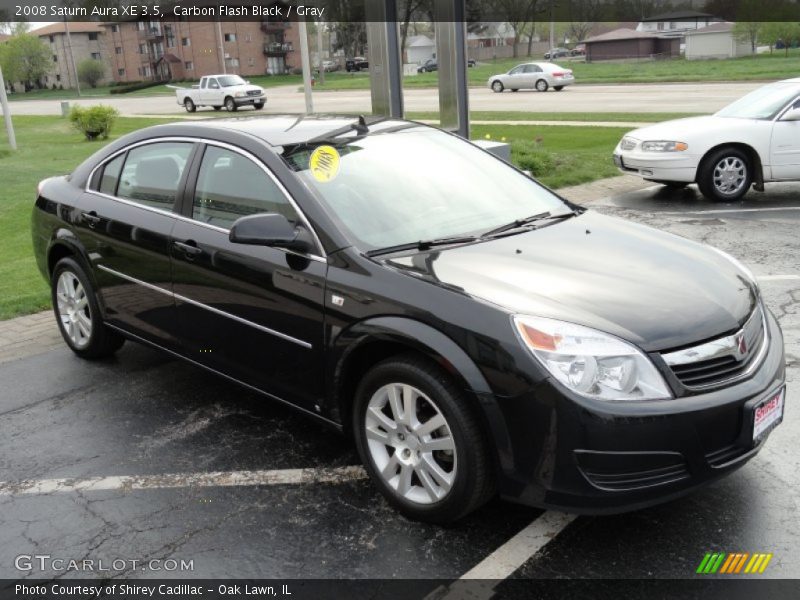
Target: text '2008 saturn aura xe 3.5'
<point>475,333</point>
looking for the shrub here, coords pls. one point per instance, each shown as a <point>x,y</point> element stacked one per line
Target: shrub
<point>93,121</point>
<point>132,87</point>
<point>528,157</point>
<point>91,71</point>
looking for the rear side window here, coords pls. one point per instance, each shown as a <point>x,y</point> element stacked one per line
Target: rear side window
<point>230,186</point>
<point>108,182</point>
<point>151,173</point>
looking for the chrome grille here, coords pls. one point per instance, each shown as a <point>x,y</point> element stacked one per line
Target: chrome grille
<point>628,143</point>
<point>253,92</point>
<point>724,360</point>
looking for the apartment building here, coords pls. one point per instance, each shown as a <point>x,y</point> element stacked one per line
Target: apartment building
<point>87,41</point>
<point>182,49</point>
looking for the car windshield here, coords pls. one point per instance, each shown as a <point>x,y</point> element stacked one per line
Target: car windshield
<point>763,103</point>
<point>420,184</point>
<point>230,80</point>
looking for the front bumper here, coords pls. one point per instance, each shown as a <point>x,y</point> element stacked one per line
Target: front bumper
<point>659,166</point>
<point>588,457</point>
<point>250,100</point>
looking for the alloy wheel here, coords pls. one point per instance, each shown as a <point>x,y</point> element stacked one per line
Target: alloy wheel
<point>730,175</point>
<point>410,443</point>
<point>73,309</point>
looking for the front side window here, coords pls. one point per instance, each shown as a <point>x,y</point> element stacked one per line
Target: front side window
<point>230,186</point>
<point>419,184</point>
<point>516,70</point>
<point>231,80</point>
<point>152,173</point>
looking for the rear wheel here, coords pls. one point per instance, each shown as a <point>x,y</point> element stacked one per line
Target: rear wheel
<point>189,105</point>
<point>558,88</point>
<point>725,175</point>
<point>78,313</point>
<point>497,86</point>
<point>217,108</point>
<point>421,442</point>
<point>230,104</point>
<point>542,86</point>
<point>514,89</point>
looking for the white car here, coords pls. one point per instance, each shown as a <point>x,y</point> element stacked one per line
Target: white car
<point>532,76</point>
<point>755,140</point>
<point>218,91</point>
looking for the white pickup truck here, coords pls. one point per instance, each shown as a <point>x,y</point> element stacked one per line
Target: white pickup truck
<point>230,91</point>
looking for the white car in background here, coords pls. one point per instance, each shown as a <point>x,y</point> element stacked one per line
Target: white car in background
<point>533,76</point>
<point>755,140</point>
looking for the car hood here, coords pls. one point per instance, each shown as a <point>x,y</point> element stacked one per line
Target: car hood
<point>654,289</point>
<point>684,130</point>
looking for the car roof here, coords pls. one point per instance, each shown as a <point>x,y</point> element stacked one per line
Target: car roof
<point>286,130</point>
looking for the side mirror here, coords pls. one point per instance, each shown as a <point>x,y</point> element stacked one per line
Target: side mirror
<point>270,229</point>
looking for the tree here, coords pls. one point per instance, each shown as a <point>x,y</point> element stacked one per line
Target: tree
<point>748,31</point>
<point>517,13</point>
<point>348,27</point>
<point>26,59</point>
<point>91,71</point>
<point>411,10</point>
<point>785,32</point>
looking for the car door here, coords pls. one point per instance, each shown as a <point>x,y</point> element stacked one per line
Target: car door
<point>785,148</point>
<point>532,74</point>
<point>126,222</point>
<point>254,313</point>
<point>212,93</point>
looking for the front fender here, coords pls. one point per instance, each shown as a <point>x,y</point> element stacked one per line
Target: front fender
<point>423,338</point>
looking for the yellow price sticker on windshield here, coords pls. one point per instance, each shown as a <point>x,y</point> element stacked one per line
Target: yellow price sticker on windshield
<point>324,163</point>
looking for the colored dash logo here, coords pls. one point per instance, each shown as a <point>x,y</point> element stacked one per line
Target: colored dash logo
<point>734,563</point>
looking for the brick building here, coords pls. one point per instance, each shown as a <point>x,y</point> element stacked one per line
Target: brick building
<point>180,49</point>
<point>87,40</point>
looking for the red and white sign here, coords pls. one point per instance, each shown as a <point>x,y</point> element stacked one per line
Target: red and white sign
<point>768,414</point>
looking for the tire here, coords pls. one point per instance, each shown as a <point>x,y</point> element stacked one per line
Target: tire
<point>217,108</point>
<point>497,87</point>
<point>78,313</point>
<point>258,106</point>
<point>443,484</point>
<point>542,86</point>
<point>230,105</point>
<point>189,105</point>
<point>558,88</point>
<point>725,175</point>
<point>514,89</point>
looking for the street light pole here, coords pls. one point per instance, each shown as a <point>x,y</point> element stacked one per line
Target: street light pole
<point>72,57</point>
<point>304,58</point>
<point>12,140</point>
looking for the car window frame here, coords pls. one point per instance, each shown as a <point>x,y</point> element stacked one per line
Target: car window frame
<point>187,184</point>
<point>786,108</point>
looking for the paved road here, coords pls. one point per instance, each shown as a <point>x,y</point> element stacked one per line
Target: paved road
<point>692,97</point>
<point>141,415</point>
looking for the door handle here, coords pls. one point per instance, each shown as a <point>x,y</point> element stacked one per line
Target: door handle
<point>91,218</point>
<point>189,248</point>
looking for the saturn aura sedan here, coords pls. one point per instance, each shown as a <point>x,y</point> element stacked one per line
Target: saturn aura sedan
<point>473,332</point>
<point>755,140</point>
<point>532,76</point>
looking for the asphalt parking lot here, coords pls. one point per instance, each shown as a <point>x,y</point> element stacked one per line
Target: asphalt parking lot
<point>144,457</point>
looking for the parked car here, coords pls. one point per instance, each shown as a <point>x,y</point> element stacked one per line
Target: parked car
<point>529,76</point>
<point>755,140</point>
<point>230,91</point>
<point>431,65</point>
<point>330,65</point>
<point>578,50</point>
<point>474,332</point>
<point>428,66</point>
<point>554,53</point>
<point>356,64</point>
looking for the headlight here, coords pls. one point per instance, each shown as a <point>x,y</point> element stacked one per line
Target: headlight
<point>240,94</point>
<point>664,146</point>
<point>592,363</point>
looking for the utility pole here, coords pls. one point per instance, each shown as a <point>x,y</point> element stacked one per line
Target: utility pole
<point>12,140</point>
<point>319,54</point>
<point>72,57</point>
<point>221,47</point>
<point>306,61</point>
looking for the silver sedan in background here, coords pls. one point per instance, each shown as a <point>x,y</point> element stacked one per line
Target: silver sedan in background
<point>532,76</point>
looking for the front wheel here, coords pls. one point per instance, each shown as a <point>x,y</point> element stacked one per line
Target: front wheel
<point>542,86</point>
<point>78,313</point>
<point>189,105</point>
<point>217,108</point>
<point>725,175</point>
<point>497,86</point>
<point>421,442</point>
<point>230,104</point>
<point>258,106</point>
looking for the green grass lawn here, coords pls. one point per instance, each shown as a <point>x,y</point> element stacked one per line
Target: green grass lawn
<point>558,116</point>
<point>48,146</point>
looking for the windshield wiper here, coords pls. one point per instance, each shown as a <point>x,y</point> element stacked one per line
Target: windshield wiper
<point>423,244</point>
<point>522,223</point>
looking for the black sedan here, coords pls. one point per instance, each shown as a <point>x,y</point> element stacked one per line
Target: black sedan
<point>474,332</point>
